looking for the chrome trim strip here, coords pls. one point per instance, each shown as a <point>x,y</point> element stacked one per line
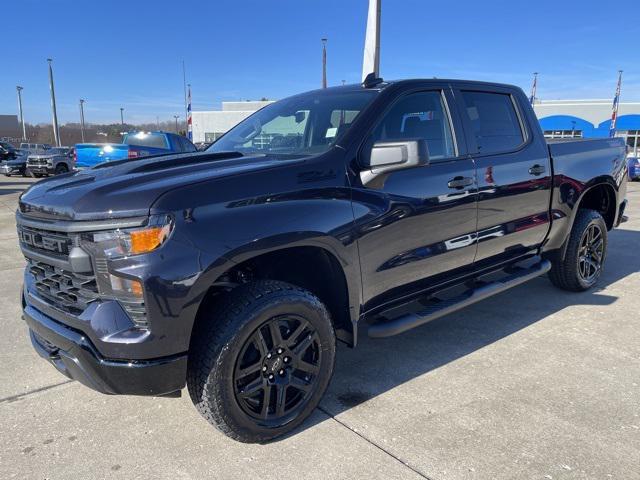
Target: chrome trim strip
<point>80,226</point>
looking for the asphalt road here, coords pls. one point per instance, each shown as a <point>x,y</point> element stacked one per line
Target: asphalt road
<point>535,383</point>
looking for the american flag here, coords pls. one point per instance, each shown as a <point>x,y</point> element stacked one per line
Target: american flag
<point>189,125</point>
<point>616,100</point>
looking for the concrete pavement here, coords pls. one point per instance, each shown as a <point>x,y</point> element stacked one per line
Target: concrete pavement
<point>533,383</point>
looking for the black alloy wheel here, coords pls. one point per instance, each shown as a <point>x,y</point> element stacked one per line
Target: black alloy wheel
<point>276,370</point>
<point>260,360</point>
<point>591,253</point>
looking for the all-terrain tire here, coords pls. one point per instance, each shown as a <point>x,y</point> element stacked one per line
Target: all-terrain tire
<point>221,338</point>
<point>565,273</point>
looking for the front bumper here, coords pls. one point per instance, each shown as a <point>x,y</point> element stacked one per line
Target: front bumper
<point>40,169</point>
<point>73,354</point>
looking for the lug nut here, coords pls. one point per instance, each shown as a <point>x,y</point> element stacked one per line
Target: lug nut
<point>264,368</point>
<point>271,376</point>
<point>280,351</point>
<point>287,359</point>
<point>281,372</point>
<point>269,355</point>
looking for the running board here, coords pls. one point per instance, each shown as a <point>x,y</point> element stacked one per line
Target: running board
<point>411,320</point>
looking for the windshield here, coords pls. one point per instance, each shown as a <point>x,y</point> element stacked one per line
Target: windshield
<point>306,124</point>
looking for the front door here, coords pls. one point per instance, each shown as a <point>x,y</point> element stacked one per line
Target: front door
<point>421,222</point>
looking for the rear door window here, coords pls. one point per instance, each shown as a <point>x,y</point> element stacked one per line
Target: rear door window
<point>494,121</point>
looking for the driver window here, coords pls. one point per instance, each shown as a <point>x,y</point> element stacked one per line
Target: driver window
<point>419,115</point>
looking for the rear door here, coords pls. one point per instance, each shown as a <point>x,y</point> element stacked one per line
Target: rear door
<point>514,171</point>
<point>419,224</point>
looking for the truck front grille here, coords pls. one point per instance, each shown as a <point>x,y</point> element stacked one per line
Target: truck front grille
<point>65,290</point>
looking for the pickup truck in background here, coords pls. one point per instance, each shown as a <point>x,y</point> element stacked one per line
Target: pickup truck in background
<point>134,145</point>
<point>56,161</point>
<point>368,208</point>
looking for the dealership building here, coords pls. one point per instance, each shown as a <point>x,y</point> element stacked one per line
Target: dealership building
<point>211,124</point>
<point>589,119</point>
<point>558,118</point>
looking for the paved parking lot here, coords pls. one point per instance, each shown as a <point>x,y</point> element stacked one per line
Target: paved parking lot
<point>533,383</point>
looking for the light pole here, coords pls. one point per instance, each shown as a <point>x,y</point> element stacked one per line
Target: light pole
<point>24,130</point>
<point>56,130</point>
<point>82,119</point>
<point>324,62</point>
<point>122,117</point>
<point>176,117</point>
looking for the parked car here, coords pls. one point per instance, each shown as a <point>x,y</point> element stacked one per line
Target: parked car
<point>339,211</point>
<point>7,152</point>
<point>134,145</point>
<point>17,166</point>
<point>56,161</point>
<point>634,168</point>
<point>201,146</point>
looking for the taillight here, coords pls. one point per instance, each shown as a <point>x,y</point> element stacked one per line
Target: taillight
<point>133,154</point>
<point>75,156</point>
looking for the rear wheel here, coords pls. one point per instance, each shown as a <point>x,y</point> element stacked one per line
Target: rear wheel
<point>585,254</point>
<point>259,366</point>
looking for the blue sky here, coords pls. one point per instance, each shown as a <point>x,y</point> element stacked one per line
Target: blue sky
<point>128,53</point>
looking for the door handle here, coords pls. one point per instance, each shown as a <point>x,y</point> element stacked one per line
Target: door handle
<point>460,182</point>
<point>537,170</point>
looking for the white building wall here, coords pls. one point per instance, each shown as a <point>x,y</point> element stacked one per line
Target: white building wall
<point>209,125</point>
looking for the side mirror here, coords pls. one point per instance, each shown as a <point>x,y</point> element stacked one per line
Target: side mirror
<point>389,156</point>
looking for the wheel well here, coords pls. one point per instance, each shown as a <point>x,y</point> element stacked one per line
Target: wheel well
<point>312,268</point>
<point>601,198</point>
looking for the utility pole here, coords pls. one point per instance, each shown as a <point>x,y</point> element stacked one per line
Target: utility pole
<point>371,61</point>
<point>176,117</point>
<point>324,63</point>
<point>56,130</point>
<point>82,119</point>
<point>24,130</point>
<point>122,117</point>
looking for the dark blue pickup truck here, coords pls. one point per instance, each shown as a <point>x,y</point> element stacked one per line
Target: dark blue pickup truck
<point>357,209</point>
<point>134,145</point>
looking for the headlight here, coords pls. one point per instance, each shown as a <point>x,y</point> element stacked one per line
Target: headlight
<point>125,242</point>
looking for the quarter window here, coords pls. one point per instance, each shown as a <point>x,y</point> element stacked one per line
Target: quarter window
<point>419,115</point>
<point>494,121</point>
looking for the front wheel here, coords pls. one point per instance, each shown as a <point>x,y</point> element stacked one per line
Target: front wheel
<point>260,363</point>
<point>585,254</point>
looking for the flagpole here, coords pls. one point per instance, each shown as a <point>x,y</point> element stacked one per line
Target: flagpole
<point>534,88</point>
<point>371,60</point>
<point>616,103</point>
<point>189,120</point>
<point>184,84</point>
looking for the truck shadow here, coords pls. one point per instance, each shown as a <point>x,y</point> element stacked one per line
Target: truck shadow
<point>377,366</point>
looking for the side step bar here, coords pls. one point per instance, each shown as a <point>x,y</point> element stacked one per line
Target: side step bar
<point>445,307</point>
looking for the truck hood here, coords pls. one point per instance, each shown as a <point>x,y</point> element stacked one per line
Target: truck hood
<point>128,188</point>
